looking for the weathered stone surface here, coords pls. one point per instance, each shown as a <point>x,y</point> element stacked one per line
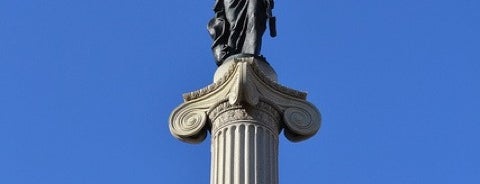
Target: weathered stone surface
<point>244,109</point>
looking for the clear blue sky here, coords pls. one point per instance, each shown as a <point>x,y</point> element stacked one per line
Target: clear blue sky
<point>86,88</point>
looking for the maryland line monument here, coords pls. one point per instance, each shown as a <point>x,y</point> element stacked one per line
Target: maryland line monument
<point>245,108</point>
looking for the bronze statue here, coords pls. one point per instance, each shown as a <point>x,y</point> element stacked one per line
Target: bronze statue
<point>238,27</point>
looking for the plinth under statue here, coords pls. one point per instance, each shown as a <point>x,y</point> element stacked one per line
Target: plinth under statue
<point>245,108</point>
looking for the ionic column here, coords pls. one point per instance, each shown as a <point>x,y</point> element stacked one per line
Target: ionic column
<point>244,144</point>
<point>245,109</point>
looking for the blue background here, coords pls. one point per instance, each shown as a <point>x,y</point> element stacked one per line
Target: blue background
<point>86,88</point>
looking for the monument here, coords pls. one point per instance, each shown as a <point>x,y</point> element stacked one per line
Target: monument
<point>238,27</point>
<point>245,108</point>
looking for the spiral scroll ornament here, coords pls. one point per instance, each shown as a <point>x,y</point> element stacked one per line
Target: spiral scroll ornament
<point>300,123</point>
<point>189,126</point>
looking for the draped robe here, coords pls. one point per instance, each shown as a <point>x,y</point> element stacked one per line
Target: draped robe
<point>237,27</point>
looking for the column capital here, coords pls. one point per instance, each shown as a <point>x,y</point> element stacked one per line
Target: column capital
<point>244,81</point>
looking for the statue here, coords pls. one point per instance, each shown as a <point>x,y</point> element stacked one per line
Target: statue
<point>238,27</point>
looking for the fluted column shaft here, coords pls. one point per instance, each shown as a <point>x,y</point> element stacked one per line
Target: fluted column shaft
<point>244,144</point>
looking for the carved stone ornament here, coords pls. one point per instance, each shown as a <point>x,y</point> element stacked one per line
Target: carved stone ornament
<point>247,82</point>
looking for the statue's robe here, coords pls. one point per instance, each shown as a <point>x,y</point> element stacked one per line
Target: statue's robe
<point>237,27</point>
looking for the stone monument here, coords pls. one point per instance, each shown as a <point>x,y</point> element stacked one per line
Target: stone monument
<point>245,108</point>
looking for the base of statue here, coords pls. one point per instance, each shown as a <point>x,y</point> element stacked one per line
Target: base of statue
<point>244,110</point>
<point>245,80</point>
